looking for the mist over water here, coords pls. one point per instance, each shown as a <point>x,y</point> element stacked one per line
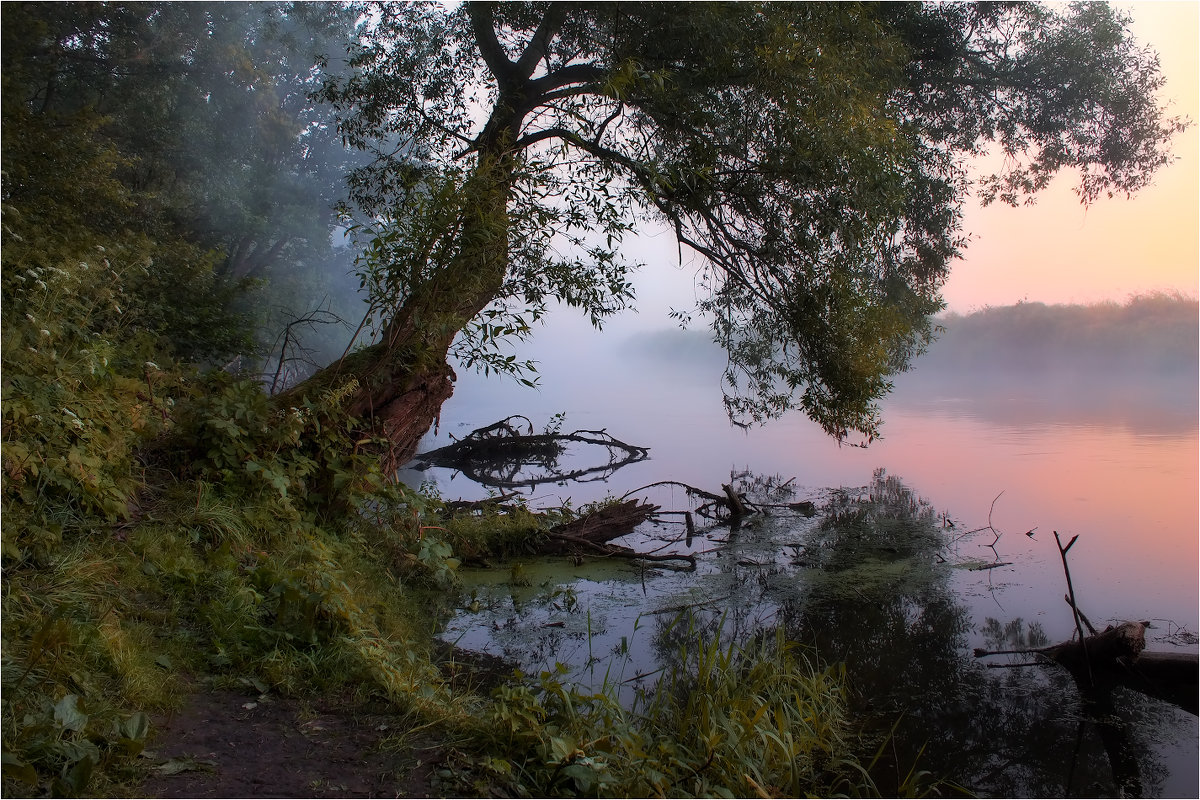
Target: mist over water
<point>1105,451</point>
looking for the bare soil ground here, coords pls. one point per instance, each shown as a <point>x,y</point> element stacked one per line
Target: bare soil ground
<point>228,744</point>
<point>231,744</point>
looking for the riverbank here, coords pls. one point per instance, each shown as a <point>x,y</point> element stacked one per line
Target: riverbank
<point>239,601</point>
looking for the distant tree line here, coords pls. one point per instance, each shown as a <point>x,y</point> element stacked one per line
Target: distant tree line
<point>1151,332</point>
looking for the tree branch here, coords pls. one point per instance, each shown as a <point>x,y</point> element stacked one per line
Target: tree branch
<point>567,76</point>
<point>483,26</point>
<point>535,51</point>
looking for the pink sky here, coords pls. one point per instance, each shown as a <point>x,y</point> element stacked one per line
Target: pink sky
<point>1058,251</point>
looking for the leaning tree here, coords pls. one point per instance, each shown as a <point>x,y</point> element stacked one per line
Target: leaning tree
<point>812,158</point>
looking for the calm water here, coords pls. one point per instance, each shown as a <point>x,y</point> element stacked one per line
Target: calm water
<point>880,577</point>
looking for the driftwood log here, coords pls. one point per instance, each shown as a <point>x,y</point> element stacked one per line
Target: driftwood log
<point>1117,656</point>
<point>592,534</point>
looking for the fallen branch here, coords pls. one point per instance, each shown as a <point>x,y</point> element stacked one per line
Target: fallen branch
<point>692,490</point>
<point>592,533</point>
<point>496,454</point>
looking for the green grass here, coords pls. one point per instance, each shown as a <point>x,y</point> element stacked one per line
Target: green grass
<point>220,577</point>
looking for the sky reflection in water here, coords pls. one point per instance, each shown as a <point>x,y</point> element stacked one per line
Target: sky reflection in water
<point>1119,468</point>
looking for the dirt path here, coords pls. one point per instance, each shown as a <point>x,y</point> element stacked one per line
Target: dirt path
<point>228,744</point>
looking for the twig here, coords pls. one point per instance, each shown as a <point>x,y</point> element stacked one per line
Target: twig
<point>1022,664</point>
<point>1082,616</point>
<point>641,675</point>
<point>1062,551</point>
<point>677,609</point>
<point>690,489</point>
<point>991,566</point>
<point>992,508</point>
<point>1021,651</point>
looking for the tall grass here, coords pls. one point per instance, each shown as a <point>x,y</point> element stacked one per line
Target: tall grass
<point>757,719</point>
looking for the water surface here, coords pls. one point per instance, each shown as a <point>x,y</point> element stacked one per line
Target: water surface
<point>972,470</point>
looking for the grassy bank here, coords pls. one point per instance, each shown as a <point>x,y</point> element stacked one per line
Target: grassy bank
<point>232,544</point>
<point>168,528</point>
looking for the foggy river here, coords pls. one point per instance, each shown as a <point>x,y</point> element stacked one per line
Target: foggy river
<point>1111,458</point>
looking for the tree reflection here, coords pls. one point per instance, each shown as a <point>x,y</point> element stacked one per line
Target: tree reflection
<point>868,584</point>
<point>879,599</point>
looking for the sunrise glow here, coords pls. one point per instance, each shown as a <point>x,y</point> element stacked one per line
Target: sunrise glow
<point>1059,251</point>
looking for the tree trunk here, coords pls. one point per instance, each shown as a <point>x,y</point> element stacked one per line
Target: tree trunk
<point>403,379</point>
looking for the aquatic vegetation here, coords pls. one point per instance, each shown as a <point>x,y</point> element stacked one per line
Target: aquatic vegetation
<point>755,719</point>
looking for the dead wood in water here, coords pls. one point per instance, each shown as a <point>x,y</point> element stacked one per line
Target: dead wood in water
<point>1116,656</point>
<point>607,522</point>
<point>592,534</point>
<point>737,508</point>
<point>496,455</point>
<point>731,505</point>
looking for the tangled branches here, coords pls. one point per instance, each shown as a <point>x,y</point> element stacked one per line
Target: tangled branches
<point>503,455</point>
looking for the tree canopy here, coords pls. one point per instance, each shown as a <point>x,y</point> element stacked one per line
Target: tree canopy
<point>813,158</point>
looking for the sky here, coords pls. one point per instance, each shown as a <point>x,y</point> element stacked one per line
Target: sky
<point>1057,251</point>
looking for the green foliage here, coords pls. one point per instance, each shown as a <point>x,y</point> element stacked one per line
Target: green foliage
<point>73,664</point>
<point>223,580</point>
<point>92,328</point>
<point>725,721</point>
<point>208,102</point>
<point>159,523</point>
<point>210,139</point>
<point>309,458</point>
<point>494,532</point>
<point>811,156</point>
<point>80,387</point>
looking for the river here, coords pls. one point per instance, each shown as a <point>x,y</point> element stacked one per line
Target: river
<point>895,575</point>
